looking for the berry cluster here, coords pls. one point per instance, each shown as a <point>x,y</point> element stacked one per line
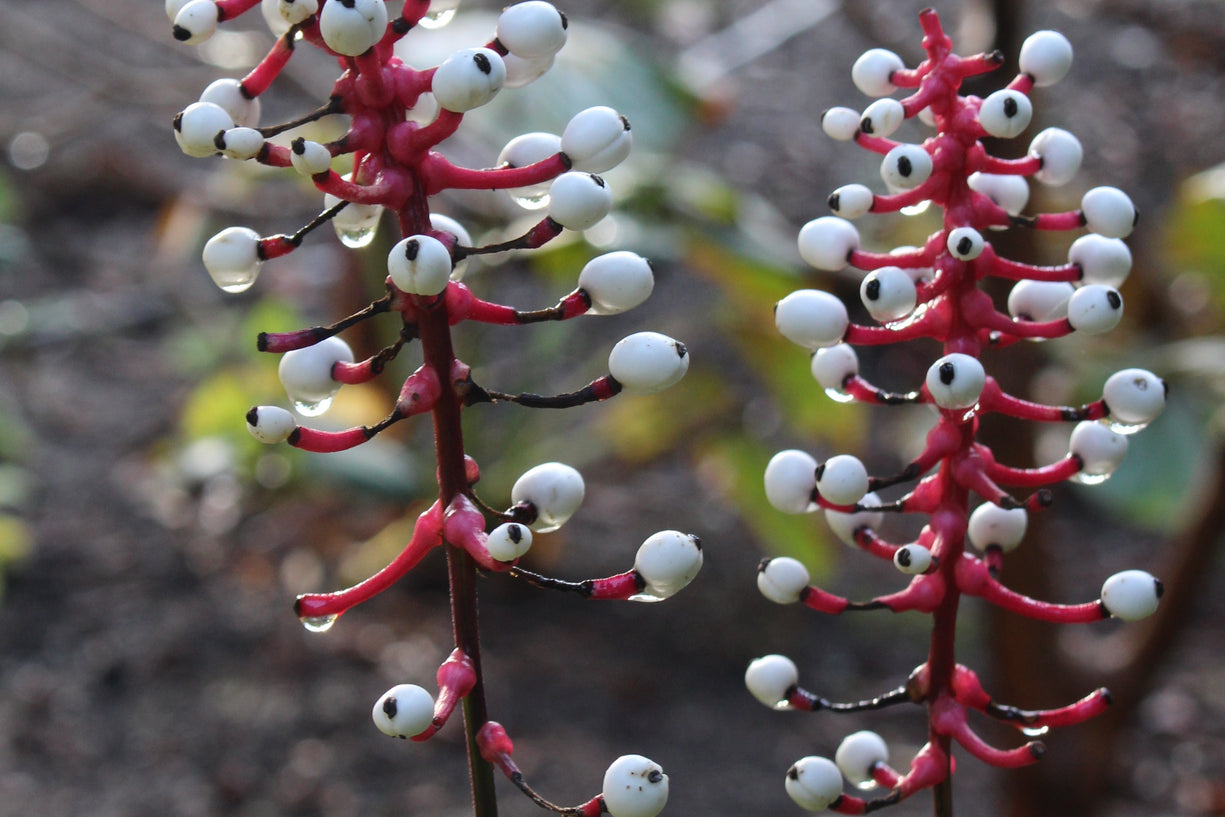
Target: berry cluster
<point>395,167</point>
<point>933,292</point>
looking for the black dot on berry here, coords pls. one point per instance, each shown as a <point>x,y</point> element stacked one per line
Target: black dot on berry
<point>1010,107</point>
<point>948,373</point>
<point>681,351</point>
<point>833,201</point>
<point>515,533</point>
<point>903,557</point>
<point>181,34</point>
<point>655,776</point>
<point>1158,588</point>
<point>1114,299</point>
<point>872,289</point>
<point>965,245</point>
<point>482,62</point>
<point>411,248</point>
<point>904,166</point>
<point>298,145</point>
<point>389,706</point>
<point>597,180</point>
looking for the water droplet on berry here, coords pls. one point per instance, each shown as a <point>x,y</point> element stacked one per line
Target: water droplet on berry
<point>318,624</point>
<point>1126,429</point>
<point>839,396</point>
<point>356,238</point>
<point>1089,479</point>
<point>531,199</point>
<point>235,280</point>
<point>437,18</point>
<point>313,408</point>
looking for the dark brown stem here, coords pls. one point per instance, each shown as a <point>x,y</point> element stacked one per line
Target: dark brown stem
<point>435,333</point>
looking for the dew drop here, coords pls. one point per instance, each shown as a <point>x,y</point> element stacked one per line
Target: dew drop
<point>356,237</point>
<point>644,597</point>
<point>1089,479</point>
<point>313,408</point>
<point>235,280</point>
<point>531,199</point>
<point>318,624</point>
<point>864,785</point>
<point>839,396</point>
<point>1126,429</point>
<point>437,18</point>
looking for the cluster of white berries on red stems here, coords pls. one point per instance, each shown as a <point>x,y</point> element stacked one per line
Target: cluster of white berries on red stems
<point>932,292</point>
<point>394,172</point>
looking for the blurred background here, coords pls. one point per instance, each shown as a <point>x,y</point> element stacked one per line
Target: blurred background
<point>150,662</point>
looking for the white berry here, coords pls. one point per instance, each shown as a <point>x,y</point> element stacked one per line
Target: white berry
<point>648,362</point>
<point>667,561</point>
<point>871,72</point>
<point>882,118</point>
<point>790,478</point>
<point>197,126</point>
<point>310,158</point>
<point>295,11</point>
<point>1131,595</point>
<point>597,140</point>
<point>616,281</point>
<point>1040,300</point>
<point>1095,309</point>
<point>1101,260</point>
<point>352,28</point>
<point>845,524</point>
<point>1005,113</point>
<point>468,79</point>
<point>521,72</point>
<point>770,678</point>
<point>1046,56</point>
<point>508,541</point>
<point>306,373</point>
<point>229,96</point>
<point>403,711</point>
<point>1061,154</point>
<point>965,243</point>
<point>419,265</point>
<point>554,490</point>
<point>826,242</point>
<point>906,167</point>
<point>579,200</point>
<point>782,579</point>
<point>842,479</point>
<point>528,149</point>
<point>851,200</point>
<point>195,22</point>
<point>1099,449</point>
<point>232,258</point>
<point>832,366</point>
<point>1010,193</point>
<point>634,786</point>
<point>956,381</point>
<point>993,526</point>
<point>840,123</point>
<point>270,424</point>
<point>888,293</point>
<point>1108,211</point>
<point>532,30</point>
<point>858,754</point>
<point>1134,397</point>
<point>811,318</point>
<point>240,143</point>
<point>446,224</point>
<point>814,782</point>
<point>912,559</point>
